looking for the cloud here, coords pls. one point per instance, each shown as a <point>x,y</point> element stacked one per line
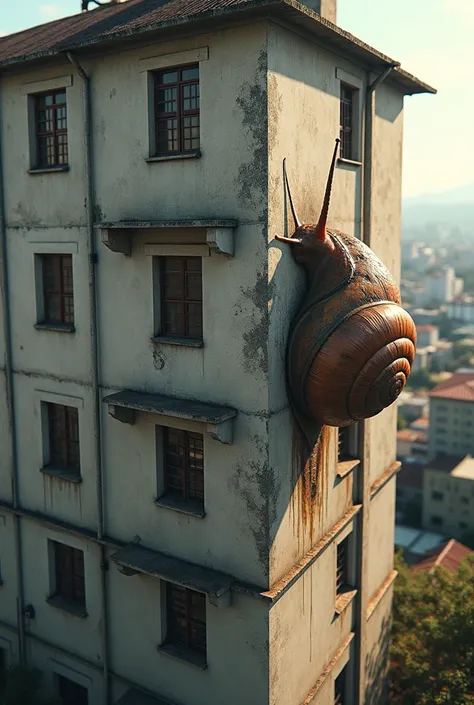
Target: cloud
<point>52,12</point>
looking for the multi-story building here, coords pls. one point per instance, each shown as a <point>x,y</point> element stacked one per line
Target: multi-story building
<point>448,496</point>
<point>452,417</point>
<point>159,539</point>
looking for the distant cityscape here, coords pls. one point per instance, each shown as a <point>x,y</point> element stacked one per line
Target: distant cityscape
<point>435,439</point>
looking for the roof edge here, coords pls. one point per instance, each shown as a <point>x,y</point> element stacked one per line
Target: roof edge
<point>406,80</point>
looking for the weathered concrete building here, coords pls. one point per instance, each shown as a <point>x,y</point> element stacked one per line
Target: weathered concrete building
<point>452,417</point>
<point>159,542</point>
<point>448,496</point>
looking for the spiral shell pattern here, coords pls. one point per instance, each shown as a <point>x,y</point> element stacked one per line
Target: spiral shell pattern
<point>362,366</point>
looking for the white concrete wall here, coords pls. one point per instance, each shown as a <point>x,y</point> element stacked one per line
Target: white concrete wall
<point>236,634</point>
<point>297,622</point>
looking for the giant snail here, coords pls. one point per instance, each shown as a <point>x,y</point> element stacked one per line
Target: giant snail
<point>351,344</point>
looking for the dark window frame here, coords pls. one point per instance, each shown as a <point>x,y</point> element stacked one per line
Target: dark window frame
<point>63,272</point>
<point>340,687</point>
<point>437,495</point>
<point>182,328</point>
<point>41,161</point>
<point>342,565</point>
<point>194,636</point>
<point>190,472</point>
<point>69,576</point>
<point>63,435</point>
<point>70,692</point>
<point>436,520</point>
<point>180,114</point>
<point>346,120</point>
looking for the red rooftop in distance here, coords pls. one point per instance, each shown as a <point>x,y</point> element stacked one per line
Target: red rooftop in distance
<point>447,555</point>
<point>460,387</point>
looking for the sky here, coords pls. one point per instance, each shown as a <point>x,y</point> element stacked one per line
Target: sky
<point>432,39</point>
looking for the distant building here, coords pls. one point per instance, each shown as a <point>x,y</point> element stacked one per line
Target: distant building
<point>448,555</point>
<point>451,430</point>
<point>415,543</point>
<point>412,405</point>
<point>427,334</point>
<point>448,496</point>
<point>424,315</point>
<point>421,424</point>
<point>439,286</point>
<point>461,309</point>
<point>409,501</point>
<point>412,444</point>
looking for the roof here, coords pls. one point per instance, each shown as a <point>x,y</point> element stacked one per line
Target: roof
<point>408,434</point>
<point>422,423</point>
<point>136,17</point>
<point>416,541</point>
<point>460,387</point>
<point>465,469</point>
<point>411,475</point>
<point>447,555</point>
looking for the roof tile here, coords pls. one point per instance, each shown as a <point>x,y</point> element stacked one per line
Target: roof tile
<point>460,386</point>
<point>447,555</point>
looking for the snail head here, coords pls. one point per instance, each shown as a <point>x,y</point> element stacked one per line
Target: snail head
<point>311,242</point>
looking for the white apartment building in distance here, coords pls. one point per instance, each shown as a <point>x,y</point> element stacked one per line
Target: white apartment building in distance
<point>159,542</point>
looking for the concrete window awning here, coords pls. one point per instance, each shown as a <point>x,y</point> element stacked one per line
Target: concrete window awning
<point>137,697</point>
<point>124,406</point>
<point>134,559</point>
<point>200,237</point>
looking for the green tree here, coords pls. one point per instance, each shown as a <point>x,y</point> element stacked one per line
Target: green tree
<point>420,379</point>
<point>432,651</point>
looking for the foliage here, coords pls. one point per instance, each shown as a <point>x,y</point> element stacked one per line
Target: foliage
<point>401,422</point>
<point>420,379</point>
<point>432,652</point>
<point>21,686</point>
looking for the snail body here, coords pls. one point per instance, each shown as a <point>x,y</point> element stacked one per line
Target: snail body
<point>351,344</point>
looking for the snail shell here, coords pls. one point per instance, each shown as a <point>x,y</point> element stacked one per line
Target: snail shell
<point>351,345</point>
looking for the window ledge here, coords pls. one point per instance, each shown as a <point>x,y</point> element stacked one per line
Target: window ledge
<point>62,604</point>
<point>173,157</point>
<point>349,162</point>
<point>181,653</point>
<point>194,509</point>
<point>48,170</point>
<point>344,599</point>
<point>184,342</point>
<point>57,327</point>
<point>62,474</point>
<point>345,467</point>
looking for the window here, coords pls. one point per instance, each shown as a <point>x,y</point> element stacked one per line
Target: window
<point>465,500</point>
<point>344,444</point>
<point>181,297</point>
<point>347,121</point>
<point>51,130</point>
<point>438,496</point>
<point>463,525</point>
<point>69,574</point>
<point>436,521</point>
<point>177,110</point>
<point>186,618</point>
<point>58,295</point>
<point>72,693</point>
<point>340,688</point>
<point>183,454</point>
<point>63,427</point>
<point>342,565</point>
